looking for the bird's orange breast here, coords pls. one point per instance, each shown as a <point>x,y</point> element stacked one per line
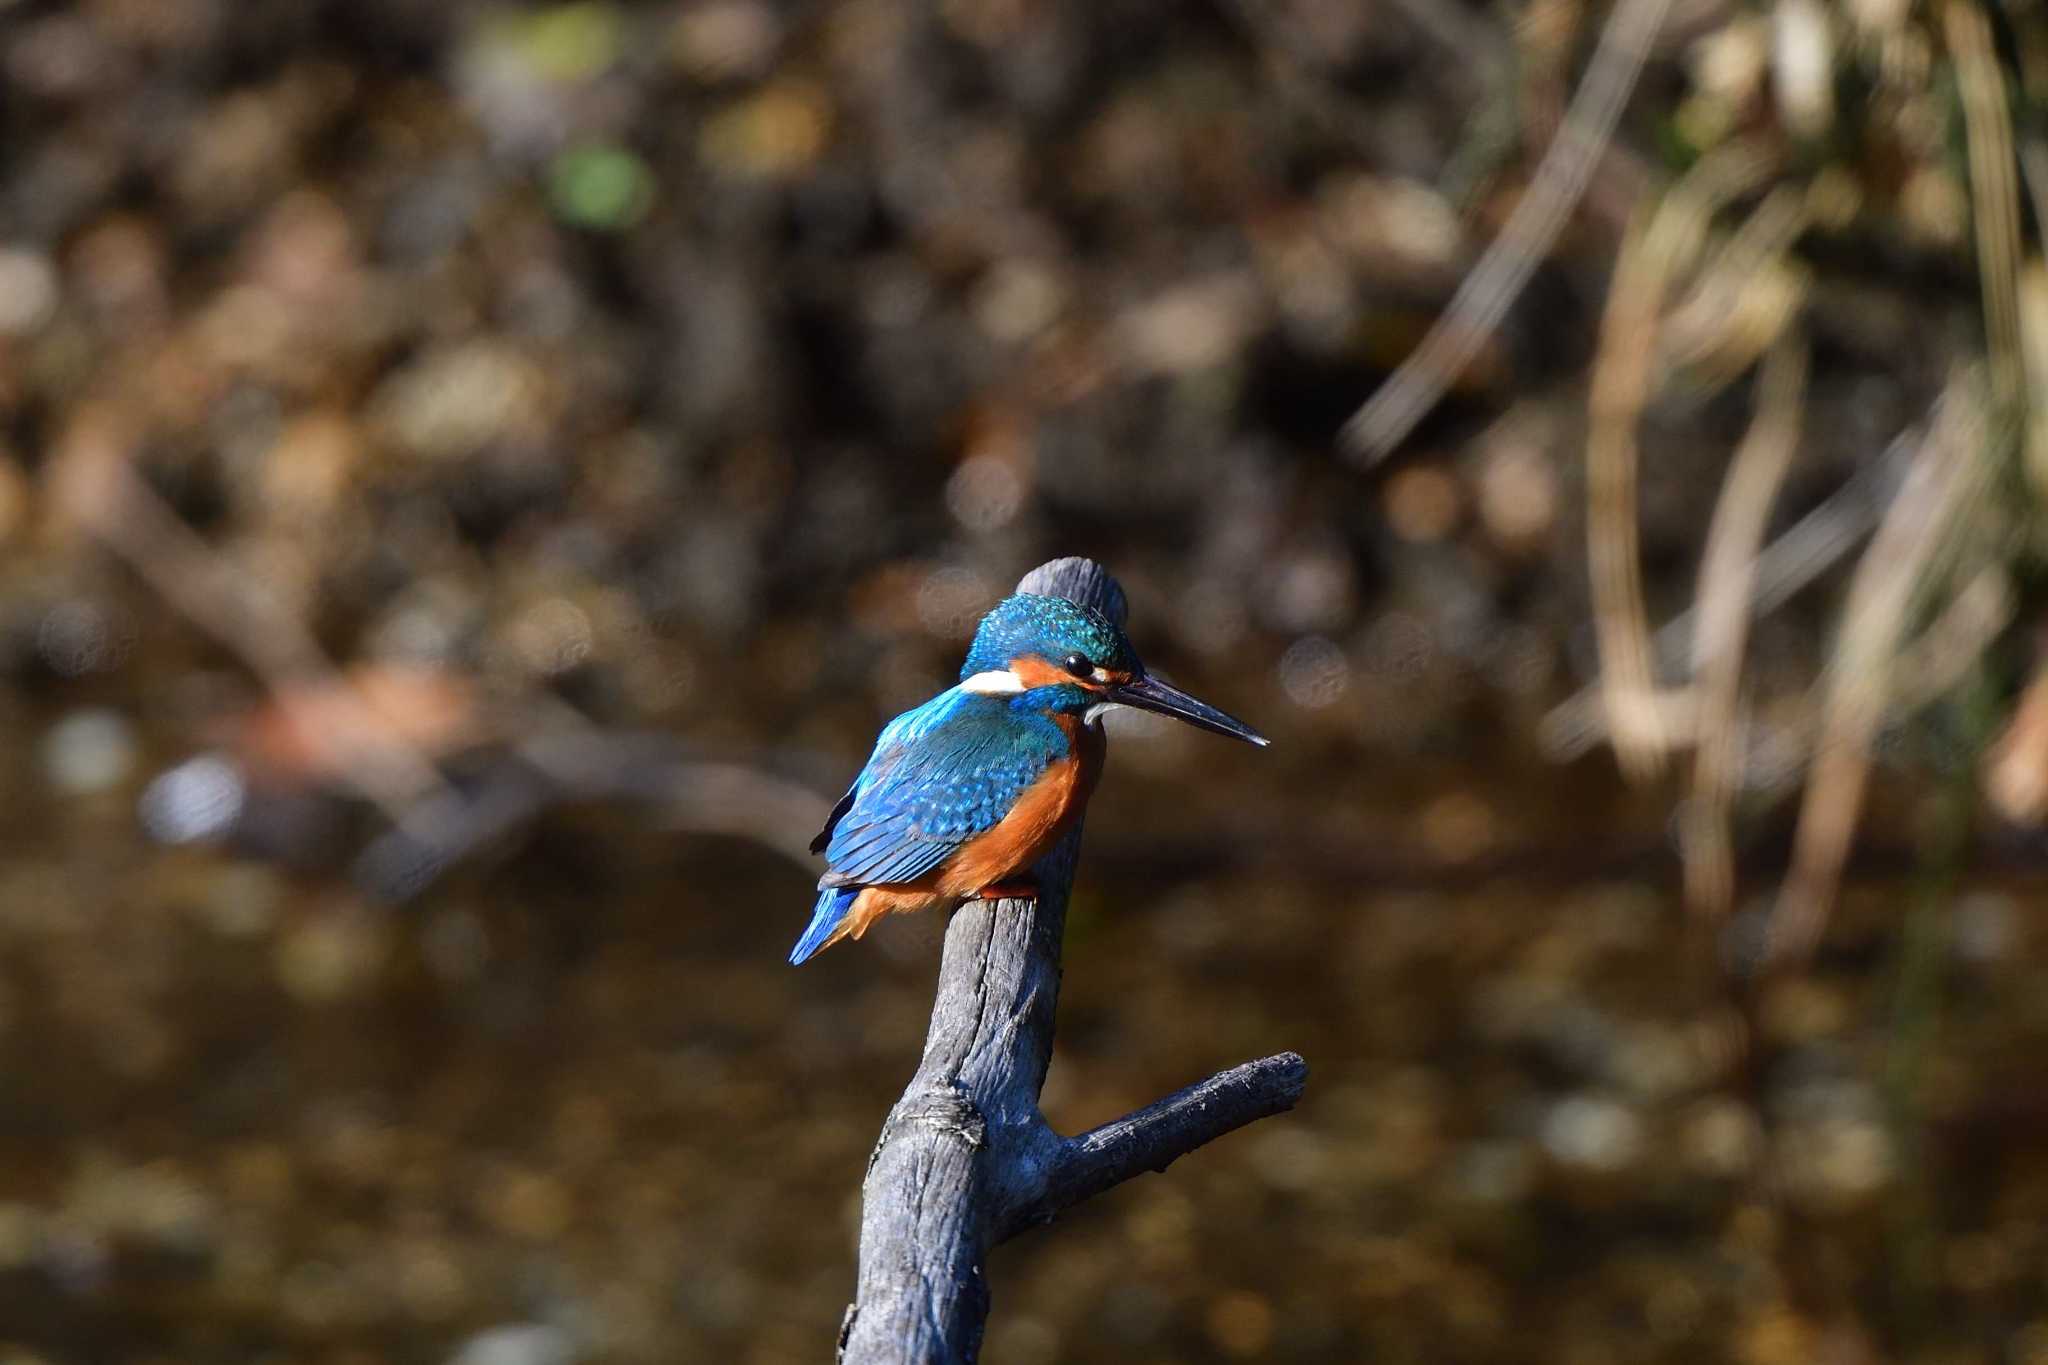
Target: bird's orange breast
<point>1035,823</point>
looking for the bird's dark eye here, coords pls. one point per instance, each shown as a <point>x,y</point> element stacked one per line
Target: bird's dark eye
<point>1078,665</point>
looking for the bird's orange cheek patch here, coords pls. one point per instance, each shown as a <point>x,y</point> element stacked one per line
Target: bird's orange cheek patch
<point>1033,671</point>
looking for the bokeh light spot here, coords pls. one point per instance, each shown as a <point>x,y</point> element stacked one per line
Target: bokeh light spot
<point>76,638</point>
<point>984,493</point>
<point>1314,672</point>
<point>199,799</point>
<point>1423,503</point>
<point>950,601</point>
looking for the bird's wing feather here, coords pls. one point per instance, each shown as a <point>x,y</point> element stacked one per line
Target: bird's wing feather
<point>886,746</point>
<point>941,774</point>
<point>824,835</point>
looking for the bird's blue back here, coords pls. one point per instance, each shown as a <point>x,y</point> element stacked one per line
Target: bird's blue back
<point>941,774</point>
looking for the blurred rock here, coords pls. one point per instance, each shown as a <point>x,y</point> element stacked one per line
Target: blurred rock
<point>1241,1324</point>
<point>725,40</point>
<point>1191,326</point>
<point>1391,228</point>
<point>1592,1132</point>
<point>451,403</point>
<point>1518,493</point>
<point>1422,503</point>
<point>778,132</point>
<point>331,953</point>
<point>518,1344</point>
<point>88,752</point>
<point>29,290</point>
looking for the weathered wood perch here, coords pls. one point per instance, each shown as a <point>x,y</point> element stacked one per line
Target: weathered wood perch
<point>965,1160</point>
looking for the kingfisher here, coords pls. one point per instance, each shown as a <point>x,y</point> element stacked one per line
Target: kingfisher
<point>965,793</point>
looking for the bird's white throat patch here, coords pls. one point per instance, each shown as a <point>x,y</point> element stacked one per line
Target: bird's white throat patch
<point>1095,712</point>
<point>999,682</point>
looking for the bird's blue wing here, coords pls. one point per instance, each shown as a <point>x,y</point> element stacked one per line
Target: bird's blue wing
<point>940,775</point>
<point>824,836</point>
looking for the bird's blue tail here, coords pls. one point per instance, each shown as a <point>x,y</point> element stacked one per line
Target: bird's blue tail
<point>833,904</point>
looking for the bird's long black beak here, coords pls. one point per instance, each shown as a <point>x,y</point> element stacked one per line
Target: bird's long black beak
<point>1150,694</point>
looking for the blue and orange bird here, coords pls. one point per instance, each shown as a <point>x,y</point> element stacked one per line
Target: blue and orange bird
<point>964,794</point>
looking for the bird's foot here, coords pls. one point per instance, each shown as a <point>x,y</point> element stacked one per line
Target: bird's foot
<point>1019,888</point>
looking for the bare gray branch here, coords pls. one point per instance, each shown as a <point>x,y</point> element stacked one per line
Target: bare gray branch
<point>1154,1137</point>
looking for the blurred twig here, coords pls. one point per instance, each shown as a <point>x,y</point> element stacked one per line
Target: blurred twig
<point>579,764</point>
<point>101,489</point>
<point>1483,297</point>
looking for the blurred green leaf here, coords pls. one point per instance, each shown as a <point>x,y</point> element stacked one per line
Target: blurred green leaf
<point>605,187</point>
<point>572,42</point>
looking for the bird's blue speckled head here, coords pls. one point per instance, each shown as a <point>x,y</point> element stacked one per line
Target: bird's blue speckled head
<point>1049,628</point>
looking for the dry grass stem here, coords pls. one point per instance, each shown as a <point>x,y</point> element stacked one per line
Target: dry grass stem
<point>1621,388</point>
<point>1573,727</point>
<point>1807,549</point>
<point>1941,486</point>
<point>2015,772</point>
<point>1483,297</point>
<point>1746,295</point>
<point>1721,631</point>
<point>1939,657</point>
<point>1994,187</point>
<point>1652,259</point>
<point>2033,155</point>
<point>2032,306</point>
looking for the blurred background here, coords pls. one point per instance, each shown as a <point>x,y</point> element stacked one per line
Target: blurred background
<point>474,477</point>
